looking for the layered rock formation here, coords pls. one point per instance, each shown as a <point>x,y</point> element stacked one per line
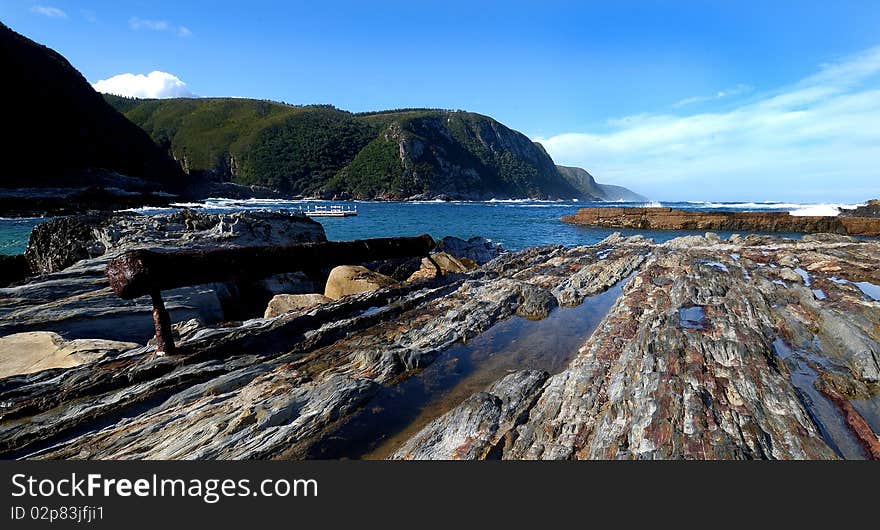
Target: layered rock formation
<point>70,294</point>
<point>754,347</point>
<point>669,219</point>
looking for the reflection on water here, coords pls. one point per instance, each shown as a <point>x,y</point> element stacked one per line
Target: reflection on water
<point>691,317</point>
<point>870,411</point>
<point>825,414</point>
<point>399,412</point>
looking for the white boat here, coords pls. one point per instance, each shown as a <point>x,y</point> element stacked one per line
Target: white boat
<point>331,211</point>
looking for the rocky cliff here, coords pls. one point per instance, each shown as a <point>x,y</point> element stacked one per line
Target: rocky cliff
<point>587,185</point>
<point>454,154</point>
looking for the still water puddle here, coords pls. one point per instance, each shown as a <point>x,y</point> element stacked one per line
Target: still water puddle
<point>870,290</point>
<point>824,413</point>
<point>397,413</point>
<point>692,317</point>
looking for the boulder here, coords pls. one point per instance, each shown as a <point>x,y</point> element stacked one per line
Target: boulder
<point>398,268</point>
<point>537,302</point>
<point>478,249</point>
<point>285,303</point>
<point>353,279</point>
<point>448,264</point>
<point>26,353</point>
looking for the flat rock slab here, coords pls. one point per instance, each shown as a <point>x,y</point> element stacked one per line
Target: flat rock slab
<point>26,353</point>
<point>670,219</point>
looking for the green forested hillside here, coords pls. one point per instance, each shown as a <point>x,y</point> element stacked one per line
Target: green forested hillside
<point>67,135</point>
<point>291,148</point>
<point>62,132</point>
<point>454,153</point>
<point>320,149</point>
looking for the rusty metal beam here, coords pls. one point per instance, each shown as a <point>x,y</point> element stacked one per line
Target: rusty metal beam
<point>144,272</point>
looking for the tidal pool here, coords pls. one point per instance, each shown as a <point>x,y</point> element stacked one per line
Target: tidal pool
<point>399,412</point>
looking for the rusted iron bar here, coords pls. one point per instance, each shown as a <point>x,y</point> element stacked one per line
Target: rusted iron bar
<point>162,323</point>
<point>145,272</point>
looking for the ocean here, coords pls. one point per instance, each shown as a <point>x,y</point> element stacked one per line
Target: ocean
<point>514,224</point>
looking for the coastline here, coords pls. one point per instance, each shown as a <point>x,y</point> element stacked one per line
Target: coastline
<point>315,372</point>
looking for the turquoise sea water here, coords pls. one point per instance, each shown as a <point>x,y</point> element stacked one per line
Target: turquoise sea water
<point>513,224</point>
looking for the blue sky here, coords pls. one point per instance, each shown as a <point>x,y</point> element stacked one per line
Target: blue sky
<point>678,100</point>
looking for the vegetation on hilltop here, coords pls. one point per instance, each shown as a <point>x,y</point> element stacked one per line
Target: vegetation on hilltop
<point>391,154</point>
<point>454,153</point>
<point>66,134</point>
<point>291,148</point>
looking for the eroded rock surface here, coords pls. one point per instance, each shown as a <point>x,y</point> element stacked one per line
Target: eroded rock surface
<point>670,219</point>
<point>284,303</point>
<point>753,347</point>
<point>72,297</point>
<point>26,353</point>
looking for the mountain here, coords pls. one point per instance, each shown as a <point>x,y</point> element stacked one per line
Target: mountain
<point>586,184</point>
<point>61,133</point>
<point>324,150</point>
<point>114,151</point>
<point>294,149</point>
<point>457,154</point>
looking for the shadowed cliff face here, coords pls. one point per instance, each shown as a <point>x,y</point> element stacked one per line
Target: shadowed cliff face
<point>62,132</point>
<point>753,347</point>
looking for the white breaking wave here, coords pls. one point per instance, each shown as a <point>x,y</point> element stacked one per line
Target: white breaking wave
<point>794,208</point>
<point>797,209</point>
<point>830,210</point>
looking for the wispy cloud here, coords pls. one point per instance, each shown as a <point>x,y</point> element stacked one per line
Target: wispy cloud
<point>137,23</point>
<point>738,90</point>
<point>154,85</point>
<point>48,11</point>
<point>815,140</point>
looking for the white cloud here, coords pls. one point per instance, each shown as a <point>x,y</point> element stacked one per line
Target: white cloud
<point>817,140</point>
<point>155,85</point>
<point>137,23</point>
<point>738,90</point>
<point>143,23</point>
<point>48,11</point>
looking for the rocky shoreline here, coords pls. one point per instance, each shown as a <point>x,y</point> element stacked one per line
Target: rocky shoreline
<point>753,347</point>
<point>670,219</point>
